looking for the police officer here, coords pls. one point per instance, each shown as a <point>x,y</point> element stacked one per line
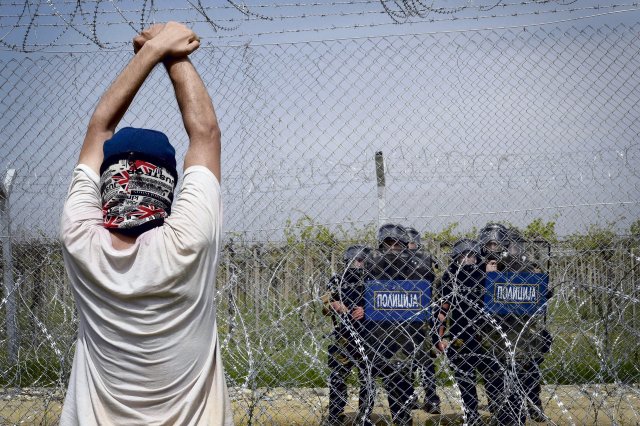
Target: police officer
<point>461,304</point>
<point>500,333</point>
<point>510,337</point>
<point>421,267</point>
<point>344,301</point>
<point>392,345</point>
<point>536,339</point>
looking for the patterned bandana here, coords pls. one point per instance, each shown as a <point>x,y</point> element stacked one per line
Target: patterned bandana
<point>136,195</point>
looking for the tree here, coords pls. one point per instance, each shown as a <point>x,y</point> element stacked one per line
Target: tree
<point>540,230</point>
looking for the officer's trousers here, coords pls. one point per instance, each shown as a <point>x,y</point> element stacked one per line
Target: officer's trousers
<point>391,356</point>
<point>466,358</point>
<point>341,362</point>
<point>396,378</point>
<point>533,380</point>
<point>427,367</point>
<point>514,380</point>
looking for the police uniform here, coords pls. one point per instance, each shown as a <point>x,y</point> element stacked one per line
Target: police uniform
<point>345,352</point>
<point>509,383</point>
<point>536,342</point>
<point>519,374</point>
<point>393,345</point>
<point>463,292</point>
<point>420,267</point>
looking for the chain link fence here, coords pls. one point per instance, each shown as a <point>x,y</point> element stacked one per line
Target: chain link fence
<point>322,143</point>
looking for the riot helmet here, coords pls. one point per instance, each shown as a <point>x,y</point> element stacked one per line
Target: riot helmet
<point>392,237</point>
<point>354,253</point>
<point>493,240</point>
<point>414,239</point>
<point>516,244</point>
<point>464,248</point>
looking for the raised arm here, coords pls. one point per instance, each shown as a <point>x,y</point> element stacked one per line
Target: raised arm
<point>114,103</point>
<point>198,116</point>
<point>175,40</point>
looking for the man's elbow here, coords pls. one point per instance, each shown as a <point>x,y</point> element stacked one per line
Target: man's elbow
<point>101,121</point>
<point>98,132</point>
<point>216,133</point>
<point>206,133</point>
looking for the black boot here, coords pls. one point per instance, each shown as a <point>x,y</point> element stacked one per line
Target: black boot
<point>537,414</point>
<point>432,404</point>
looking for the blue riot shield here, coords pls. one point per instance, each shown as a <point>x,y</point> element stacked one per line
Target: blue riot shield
<point>397,300</point>
<point>519,293</point>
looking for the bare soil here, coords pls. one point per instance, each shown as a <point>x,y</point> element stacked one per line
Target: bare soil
<point>600,405</point>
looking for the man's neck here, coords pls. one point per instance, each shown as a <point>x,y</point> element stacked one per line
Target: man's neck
<point>121,242</point>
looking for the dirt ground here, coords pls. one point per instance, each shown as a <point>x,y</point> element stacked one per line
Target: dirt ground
<point>600,405</point>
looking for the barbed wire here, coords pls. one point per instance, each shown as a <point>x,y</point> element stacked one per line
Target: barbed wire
<point>405,9</point>
<point>253,16</point>
<point>281,5</point>
<point>423,21</point>
<point>400,164</point>
<point>92,20</point>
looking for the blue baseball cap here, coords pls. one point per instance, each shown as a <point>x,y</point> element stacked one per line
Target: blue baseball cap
<point>142,144</point>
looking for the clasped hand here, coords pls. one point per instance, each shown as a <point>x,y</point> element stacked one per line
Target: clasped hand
<point>172,40</point>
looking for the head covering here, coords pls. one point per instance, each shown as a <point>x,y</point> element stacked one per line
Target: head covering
<point>137,180</point>
<point>414,235</point>
<point>465,245</point>
<point>357,252</point>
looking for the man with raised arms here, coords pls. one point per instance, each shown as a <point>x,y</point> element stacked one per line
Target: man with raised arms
<point>141,267</point>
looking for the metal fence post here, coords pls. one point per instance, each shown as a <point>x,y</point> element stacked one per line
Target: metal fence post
<point>7,255</point>
<point>382,197</point>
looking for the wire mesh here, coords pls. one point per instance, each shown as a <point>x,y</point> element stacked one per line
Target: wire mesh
<point>536,130</point>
